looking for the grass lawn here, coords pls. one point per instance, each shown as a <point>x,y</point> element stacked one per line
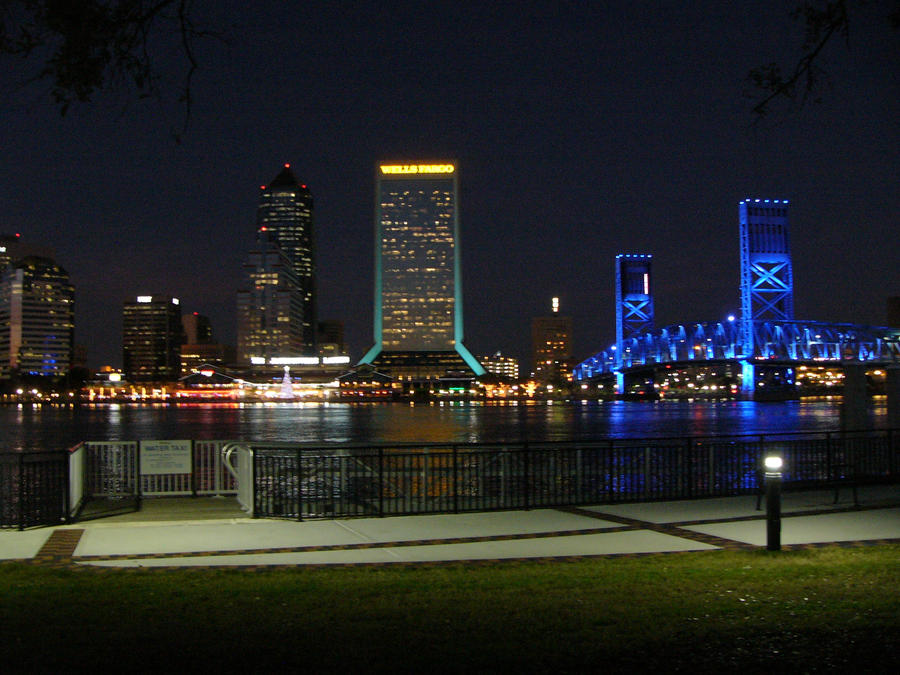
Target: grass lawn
<point>794,611</point>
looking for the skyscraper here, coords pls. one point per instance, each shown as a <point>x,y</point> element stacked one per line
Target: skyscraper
<point>285,211</point>
<point>418,286</point>
<point>151,339</point>
<point>37,319</point>
<point>269,306</point>
<point>12,248</point>
<point>197,329</point>
<point>199,347</point>
<point>551,340</point>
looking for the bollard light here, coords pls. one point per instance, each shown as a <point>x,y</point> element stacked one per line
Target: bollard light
<point>773,464</point>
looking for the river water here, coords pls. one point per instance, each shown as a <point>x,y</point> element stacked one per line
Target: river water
<point>34,428</point>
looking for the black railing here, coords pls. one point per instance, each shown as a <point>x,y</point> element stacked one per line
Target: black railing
<point>33,489</point>
<point>322,482</point>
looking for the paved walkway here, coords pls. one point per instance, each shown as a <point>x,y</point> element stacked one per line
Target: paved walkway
<point>220,536</point>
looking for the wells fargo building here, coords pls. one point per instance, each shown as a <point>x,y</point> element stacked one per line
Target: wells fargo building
<point>418,288</point>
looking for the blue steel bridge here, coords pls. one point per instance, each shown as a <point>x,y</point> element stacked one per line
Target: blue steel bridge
<point>765,346</point>
<point>776,343</point>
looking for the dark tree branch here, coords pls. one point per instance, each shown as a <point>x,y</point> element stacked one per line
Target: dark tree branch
<point>822,23</point>
<point>91,46</point>
<point>187,34</point>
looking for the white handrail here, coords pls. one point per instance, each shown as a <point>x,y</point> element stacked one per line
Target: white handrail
<point>77,456</point>
<point>243,473</point>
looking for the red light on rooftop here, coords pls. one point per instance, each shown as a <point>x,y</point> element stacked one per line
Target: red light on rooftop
<point>196,313</point>
<point>263,228</point>
<point>262,187</point>
<point>303,186</point>
<point>287,166</point>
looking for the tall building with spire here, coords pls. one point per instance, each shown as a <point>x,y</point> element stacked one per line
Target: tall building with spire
<point>418,282</point>
<point>285,212</point>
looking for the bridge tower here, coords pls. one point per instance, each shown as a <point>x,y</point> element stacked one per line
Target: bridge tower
<point>767,279</point>
<point>634,303</point>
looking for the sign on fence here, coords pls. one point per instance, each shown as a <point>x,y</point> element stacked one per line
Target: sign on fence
<point>165,457</point>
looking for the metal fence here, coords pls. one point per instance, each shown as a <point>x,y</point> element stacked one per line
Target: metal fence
<point>325,481</point>
<point>114,469</point>
<point>320,482</point>
<point>47,488</point>
<point>33,489</point>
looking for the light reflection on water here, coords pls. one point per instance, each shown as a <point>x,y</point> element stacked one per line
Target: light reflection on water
<point>58,427</point>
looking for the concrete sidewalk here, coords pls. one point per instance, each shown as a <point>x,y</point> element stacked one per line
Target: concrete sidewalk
<point>136,540</point>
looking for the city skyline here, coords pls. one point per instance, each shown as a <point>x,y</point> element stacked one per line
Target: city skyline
<point>581,132</point>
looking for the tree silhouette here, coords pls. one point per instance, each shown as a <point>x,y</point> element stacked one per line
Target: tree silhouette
<point>822,20</point>
<point>83,47</point>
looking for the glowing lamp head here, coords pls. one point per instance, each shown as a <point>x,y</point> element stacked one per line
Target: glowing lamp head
<point>773,463</point>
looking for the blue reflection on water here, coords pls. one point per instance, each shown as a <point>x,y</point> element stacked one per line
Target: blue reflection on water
<point>58,427</point>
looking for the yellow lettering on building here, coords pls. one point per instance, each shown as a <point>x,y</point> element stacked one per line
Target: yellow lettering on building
<point>416,168</point>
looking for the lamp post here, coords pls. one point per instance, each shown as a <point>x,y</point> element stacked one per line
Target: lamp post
<point>773,465</point>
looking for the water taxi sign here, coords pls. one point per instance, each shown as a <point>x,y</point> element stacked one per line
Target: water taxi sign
<point>165,457</point>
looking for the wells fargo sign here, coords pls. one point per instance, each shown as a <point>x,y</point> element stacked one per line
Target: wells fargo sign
<point>416,168</point>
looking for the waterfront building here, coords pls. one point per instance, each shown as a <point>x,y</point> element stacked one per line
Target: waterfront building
<point>366,383</point>
<point>269,307</point>
<point>551,340</point>
<point>193,356</point>
<point>37,319</point>
<point>503,366</point>
<point>285,211</point>
<point>418,310</point>
<point>152,336</point>
<point>210,382</point>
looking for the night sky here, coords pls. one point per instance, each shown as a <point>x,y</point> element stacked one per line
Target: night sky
<point>581,130</point>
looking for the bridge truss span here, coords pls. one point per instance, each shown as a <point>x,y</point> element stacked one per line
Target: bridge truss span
<point>791,341</point>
